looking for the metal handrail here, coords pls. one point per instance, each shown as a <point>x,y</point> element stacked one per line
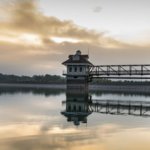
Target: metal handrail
<point>75,73</point>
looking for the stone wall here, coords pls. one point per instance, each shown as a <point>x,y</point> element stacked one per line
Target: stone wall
<point>95,87</point>
<point>109,87</point>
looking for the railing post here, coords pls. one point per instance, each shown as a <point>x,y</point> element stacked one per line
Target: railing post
<point>96,70</point>
<point>130,70</point>
<point>141,70</point>
<point>141,109</point>
<point>119,69</point>
<point>108,70</point>
<point>129,111</point>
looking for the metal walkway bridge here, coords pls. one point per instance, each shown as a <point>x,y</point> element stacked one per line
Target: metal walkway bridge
<point>121,107</point>
<point>113,107</point>
<point>115,71</point>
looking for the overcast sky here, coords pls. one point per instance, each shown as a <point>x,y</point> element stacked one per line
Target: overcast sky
<point>37,36</point>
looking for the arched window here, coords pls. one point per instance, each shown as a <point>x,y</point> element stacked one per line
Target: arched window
<point>75,69</point>
<point>80,69</point>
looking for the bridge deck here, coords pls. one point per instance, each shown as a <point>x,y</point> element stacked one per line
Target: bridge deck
<point>114,107</point>
<point>119,70</point>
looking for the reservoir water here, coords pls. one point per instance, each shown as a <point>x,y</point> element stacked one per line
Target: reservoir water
<point>46,119</point>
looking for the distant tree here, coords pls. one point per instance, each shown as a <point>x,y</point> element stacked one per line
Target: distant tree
<point>34,78</point>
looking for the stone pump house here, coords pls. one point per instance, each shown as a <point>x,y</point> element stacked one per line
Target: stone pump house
<point>77,70</point>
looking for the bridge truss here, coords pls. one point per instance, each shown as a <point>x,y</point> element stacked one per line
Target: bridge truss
<point>115,71</point>
<point>113,107</point>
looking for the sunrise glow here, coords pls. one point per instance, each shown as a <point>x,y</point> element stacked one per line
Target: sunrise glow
<point>60,40</point>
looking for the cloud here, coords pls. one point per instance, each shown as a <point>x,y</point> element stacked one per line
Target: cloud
<point>27,46</point>
<point>97,9</point>
<point>25,17</point>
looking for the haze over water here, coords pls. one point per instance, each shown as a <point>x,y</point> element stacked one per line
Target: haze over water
<point>31,119</point>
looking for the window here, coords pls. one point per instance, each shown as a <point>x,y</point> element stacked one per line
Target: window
<point>80,69</point>
<point>69,108</point>
<point>75,57</point>
<point>79,108</point>
<point>74,108</point>
<point>70,69</point>
<point>75,69</point>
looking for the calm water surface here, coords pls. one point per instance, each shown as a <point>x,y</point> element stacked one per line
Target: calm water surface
<point>44,119</point>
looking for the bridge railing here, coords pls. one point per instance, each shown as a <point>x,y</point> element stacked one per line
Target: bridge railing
<point>114,107</point>
<point>136,72</point>
<point>123,102</point>
<point>75,73</point>
<point>120,70</point>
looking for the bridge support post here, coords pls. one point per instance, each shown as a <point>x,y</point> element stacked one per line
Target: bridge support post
<point>141,109</point>
<point>118,108</point>
<point>129,110</point>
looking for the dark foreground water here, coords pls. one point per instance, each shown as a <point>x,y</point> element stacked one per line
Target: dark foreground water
<point>44,119</point>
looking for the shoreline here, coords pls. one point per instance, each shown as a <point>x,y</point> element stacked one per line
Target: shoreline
<point>34,85</point>
<point>121,87</point>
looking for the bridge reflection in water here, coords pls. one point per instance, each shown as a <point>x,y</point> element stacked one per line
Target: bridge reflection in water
<point>79,105</point>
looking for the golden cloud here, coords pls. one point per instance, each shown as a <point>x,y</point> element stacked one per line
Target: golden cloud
<point>25,17</point>
<point>27,41</point>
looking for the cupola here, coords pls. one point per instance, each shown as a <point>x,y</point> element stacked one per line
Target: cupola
<point>78,52</point>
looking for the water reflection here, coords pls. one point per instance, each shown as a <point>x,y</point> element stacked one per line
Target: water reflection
<point>79,105</point>
<point>31,119</point>
<point>48,92</point>
<point>26,90</point>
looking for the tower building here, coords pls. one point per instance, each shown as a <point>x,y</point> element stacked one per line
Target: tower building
<point>77,70</point>
<point>77,106</point>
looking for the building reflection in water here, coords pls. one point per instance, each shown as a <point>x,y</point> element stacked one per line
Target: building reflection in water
<point>79,105</point>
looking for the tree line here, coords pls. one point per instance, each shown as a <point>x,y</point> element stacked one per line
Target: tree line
<point>51,78</point>
<point>34,78</point>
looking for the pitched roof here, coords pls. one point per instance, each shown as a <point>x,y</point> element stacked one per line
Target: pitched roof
<point>82,59</point>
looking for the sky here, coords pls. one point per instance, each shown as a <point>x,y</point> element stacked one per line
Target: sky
<point>36,36</point>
